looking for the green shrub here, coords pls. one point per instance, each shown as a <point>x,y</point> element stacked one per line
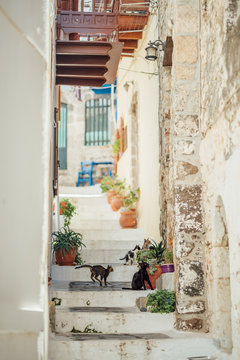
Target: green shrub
<point>161,301</point>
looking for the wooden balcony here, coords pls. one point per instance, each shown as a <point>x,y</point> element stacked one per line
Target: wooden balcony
<point>92,58</point>
<point>90,41</point>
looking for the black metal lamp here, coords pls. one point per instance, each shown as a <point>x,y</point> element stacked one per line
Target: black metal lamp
<point>152,49</point>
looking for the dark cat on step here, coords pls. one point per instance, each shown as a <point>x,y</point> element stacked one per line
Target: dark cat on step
<point>140,277</point>
<point>98,270</point>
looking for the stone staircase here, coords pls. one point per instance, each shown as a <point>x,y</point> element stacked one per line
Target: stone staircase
<point>119,329</point>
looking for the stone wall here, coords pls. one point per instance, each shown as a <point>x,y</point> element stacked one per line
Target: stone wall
<point>76,149</point>
<point>200,156</point>
<point>220,158</point>
<point>181,182</point>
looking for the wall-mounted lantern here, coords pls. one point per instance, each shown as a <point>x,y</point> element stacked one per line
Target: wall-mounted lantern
<point>152,49</point>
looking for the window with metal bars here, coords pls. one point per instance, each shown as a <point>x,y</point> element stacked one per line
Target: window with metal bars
<point>97,128</point>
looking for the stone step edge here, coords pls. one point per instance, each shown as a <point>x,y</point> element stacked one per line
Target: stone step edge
<point>100,309</point>
<point>115,337</point>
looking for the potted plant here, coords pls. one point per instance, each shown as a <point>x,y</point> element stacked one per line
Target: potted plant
<point>154,257</point>
<point>167,265</point>
<point>119,187</point>
<point>107,186</point>
<point>161,301</point>
<point>128,218</point>
<point>65,244</point>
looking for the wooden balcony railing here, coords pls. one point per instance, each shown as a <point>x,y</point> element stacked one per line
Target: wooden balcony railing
<point>95,19</point>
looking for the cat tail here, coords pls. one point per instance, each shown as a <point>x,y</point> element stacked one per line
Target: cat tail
<point>82,266</point>
<point>124,258</point>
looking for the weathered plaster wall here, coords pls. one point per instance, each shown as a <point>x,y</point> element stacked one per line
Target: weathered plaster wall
<point>139,108</point>
<point>220,158</point>
<point>76,149</point>
<point>24,182</point>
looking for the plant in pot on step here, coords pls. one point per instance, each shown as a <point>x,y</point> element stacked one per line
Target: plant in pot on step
<point>154,257</point>
<point>128,217</point>
<point>167,265</point>
<point>119,187</point>
<point>161,301</point>
<point>66,242</point>
<point>107,186</point>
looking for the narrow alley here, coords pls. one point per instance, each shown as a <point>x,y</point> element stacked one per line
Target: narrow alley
<point>120,153</point>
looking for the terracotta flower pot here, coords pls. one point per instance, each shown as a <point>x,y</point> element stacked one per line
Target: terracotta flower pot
<point>128,219</point>
<point>154,277</point>
<point>63,204</point>
<point>116,203</point>
<point>67,259</point>
<point>167,268</point>
<point>110,194</point>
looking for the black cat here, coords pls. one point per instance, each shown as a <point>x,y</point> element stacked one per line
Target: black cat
<point>140,277</point>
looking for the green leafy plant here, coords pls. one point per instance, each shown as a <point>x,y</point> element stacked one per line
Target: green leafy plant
<point>107,183</point>
<point>78,258</point>
<point>157,250</point>
<point>148,257</point>
<point>66,239</point>
<point>68,210</point>
<point>153,256</point>
<point>161,301</point>
<point>119,186</point>
<point>131,198</point>
<point>116,146</point>
<point>168,256</point>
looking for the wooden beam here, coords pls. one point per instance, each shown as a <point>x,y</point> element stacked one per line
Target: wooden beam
<point>132,22</point>
<point>84,48</point>
<point>130,36</point>
<point>81,70</point>
<point>98,82</point>
<point>96,60</point>
<point>128,51</point>
<point>129,44</point>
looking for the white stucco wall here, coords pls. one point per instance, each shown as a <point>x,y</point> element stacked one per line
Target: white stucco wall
<point>142,78</point>
<point>24,180</point>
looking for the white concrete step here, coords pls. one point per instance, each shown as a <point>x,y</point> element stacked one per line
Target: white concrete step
<point>69,273</point>
<point>163,346</point>
<point>103,256</point>
<point>110,244</point>
<point>92,213</point>
<point>112,320</point>
<point>114,235</point>
<point>120,298</point>
<point>97,224</point>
